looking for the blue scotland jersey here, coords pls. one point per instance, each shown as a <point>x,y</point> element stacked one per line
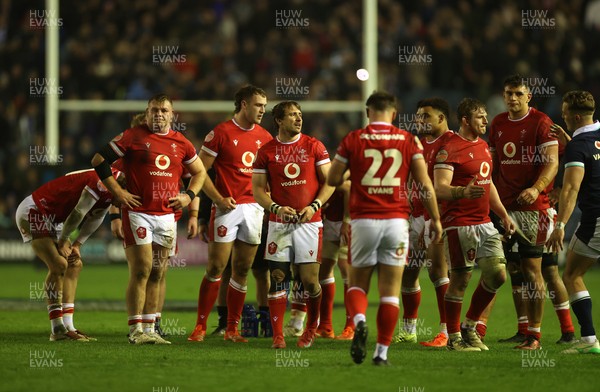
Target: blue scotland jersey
<point>584,151</point>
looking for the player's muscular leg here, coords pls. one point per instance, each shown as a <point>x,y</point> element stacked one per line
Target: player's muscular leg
<point>410,277</point>
<point>360,277</point>
<point>46,250</point>
<point>493,271</point>
<point>326,269</point>
<point>75,265</point>
<point>532,272</point>
<point>139,259</point>
<point>574,271</point>
<point>162,289</point>
<point>389,278</point>
<point>459,279</point>
<point>556,287</point>
<point>261,275</point>
<point>309,273</point>
<point>343,263</point>
<point>438,268</point>
<point>160,257</point>
<point>280,276</point>
<point>225,276</point>
<point>218,256</point>
<point>513,267</point>
<point>241,261</point>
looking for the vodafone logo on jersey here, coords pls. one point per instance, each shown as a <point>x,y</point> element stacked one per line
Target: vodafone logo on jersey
<point>484,169</point>
<point>247,160</point>
<point>141,232</point>
<point>162,162</point>
<point>509,149</point>
<point>291,170</point>
<point>597,144</point>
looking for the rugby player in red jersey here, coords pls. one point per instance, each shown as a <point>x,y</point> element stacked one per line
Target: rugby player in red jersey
<point>335,232</point>
<point>525,156</point>
<point>432,123</point>
<point>463,177</point>
<point>47,218</point>
<point>293,166</point>
<point>153,157</point>
<point>380,158</point>
<point>236,219</point>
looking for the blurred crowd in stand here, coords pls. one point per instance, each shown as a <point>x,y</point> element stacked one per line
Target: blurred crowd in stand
<point>205,50</point>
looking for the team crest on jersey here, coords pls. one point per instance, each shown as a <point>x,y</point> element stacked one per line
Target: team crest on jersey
<point>597,144</point>
<point>235,142</point>
<point>209,137</point>
<point>471,155</point>
<point>221,231</point>
<point>441,156</point>
<point>400,250</point>
<point>272,248</point>
<point>118,137</point>
<point>311,252</point>
<point>258,143</point>
<point>147,145</point>
<point>471,254</point>
<point>141,232</point>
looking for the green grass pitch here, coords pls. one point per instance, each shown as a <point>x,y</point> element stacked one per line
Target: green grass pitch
<point>29,362</point>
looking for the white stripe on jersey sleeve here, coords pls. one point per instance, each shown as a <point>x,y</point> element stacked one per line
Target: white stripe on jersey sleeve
<point>322,162</point>
<point>116,149</point>
<point>417,156</point>
<point>260,171</point>
<point>549,143</point>
<point>92,192</point>
<point>209,151</point>
<point>192,159</point>
<point>574,164</point>
<point>443,166</point>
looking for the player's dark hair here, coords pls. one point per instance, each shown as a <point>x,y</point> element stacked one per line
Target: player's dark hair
<point>160,98</point>
<point>278,111</point>
<point>381,100</point>
<point>467,107</point>
<point>437,103</point>
<point>580,102</point>
<point>515,80</point>
<point>245,94</point>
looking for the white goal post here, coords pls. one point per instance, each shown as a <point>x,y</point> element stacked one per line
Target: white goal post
<point>54,104</point>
